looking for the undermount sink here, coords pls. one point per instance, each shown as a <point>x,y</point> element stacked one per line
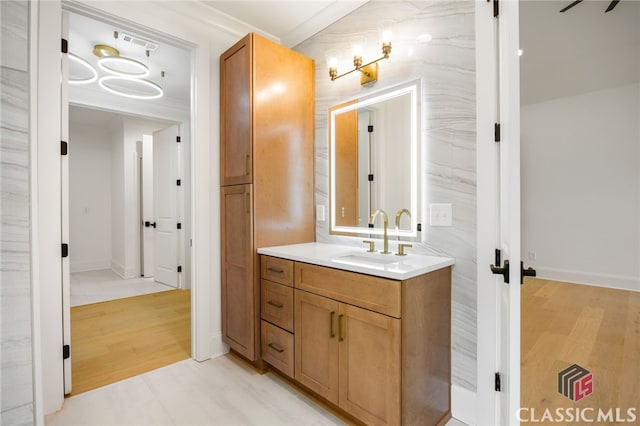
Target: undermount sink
<point>368,260</point>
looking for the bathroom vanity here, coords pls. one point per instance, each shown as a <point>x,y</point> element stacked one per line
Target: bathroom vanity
<point>369,333</point>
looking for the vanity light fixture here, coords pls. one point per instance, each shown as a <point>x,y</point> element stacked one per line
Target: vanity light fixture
<point>369,71</point>
<point>86,65</point>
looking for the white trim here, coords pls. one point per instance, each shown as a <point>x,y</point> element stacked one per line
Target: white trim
<point>118,268</point>
<point>487,214</point>
<point>36,334</point>
<point>589,278</point>
<point>463,405</point>
<point>218,347</point>
<point>90,265</point>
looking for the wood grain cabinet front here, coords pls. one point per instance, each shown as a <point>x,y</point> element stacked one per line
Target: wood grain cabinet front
<point>277,304</point>
<point>277,348</point>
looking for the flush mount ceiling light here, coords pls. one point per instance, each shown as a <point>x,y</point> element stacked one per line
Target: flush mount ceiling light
<point>85,65</point>
<point>111,62</point>
<point>131,87</point>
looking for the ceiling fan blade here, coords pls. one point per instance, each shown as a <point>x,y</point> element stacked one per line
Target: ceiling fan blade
<point>571,5</point>
<point>613,4</point>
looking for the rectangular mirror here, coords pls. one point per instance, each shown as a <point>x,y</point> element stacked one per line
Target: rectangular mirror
<point>374,160</point>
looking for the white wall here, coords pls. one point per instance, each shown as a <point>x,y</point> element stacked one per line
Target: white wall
<point>118,253</point>
<point>581,187</point>
<point>89,196</point>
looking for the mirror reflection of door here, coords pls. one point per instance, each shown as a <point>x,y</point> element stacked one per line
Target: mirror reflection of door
<point>346,170</point>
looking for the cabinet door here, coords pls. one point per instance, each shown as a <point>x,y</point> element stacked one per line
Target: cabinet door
<point>316,344</point>
<point>235,114</point>
<point>369,358</point>
<point>238,283</point>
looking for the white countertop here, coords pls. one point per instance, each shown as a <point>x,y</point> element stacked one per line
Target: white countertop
<point>356,259</point>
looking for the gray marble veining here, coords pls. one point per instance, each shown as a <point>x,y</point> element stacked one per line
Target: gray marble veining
<point>446,67</point>
<point>16,387</point>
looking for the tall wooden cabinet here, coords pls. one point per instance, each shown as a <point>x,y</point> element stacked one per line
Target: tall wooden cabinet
<point>266,164</point>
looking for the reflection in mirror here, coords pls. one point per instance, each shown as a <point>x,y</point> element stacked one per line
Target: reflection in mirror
<point>374,159</point>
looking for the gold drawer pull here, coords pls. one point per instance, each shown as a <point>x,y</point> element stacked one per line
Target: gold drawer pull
<point>275,347</point>
<point>276,270</point>
<point>275,304</point>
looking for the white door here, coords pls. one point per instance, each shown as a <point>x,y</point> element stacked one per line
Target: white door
<point>64,195</point>
<point>148,215</point>
<point>498,163</point>
<point>165,200</point>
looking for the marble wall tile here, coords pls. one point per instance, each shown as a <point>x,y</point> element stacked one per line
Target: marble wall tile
<point>446,67</point>
<point>16,384</point>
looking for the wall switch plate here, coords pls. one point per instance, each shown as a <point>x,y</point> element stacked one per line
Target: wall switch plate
<point>320,213</point>
<point>441,214</point>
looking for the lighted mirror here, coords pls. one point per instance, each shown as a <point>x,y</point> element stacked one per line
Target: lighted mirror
<point>374,162</point>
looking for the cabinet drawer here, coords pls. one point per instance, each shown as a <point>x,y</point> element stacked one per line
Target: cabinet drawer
<point>376,294</point>
<point>277,304</point>
<point>277,270</point>
<point>277,348</point>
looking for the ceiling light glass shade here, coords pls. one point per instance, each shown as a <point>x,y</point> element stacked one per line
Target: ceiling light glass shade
<point>123,67</point>
<point>82,65</point>
<point>131,87</point>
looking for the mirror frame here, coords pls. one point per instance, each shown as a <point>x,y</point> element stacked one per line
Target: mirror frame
<point>412,88</point>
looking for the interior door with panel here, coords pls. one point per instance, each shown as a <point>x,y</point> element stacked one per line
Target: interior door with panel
<point>238,301</point>
<point>165,199</point>
<point>316,344</point>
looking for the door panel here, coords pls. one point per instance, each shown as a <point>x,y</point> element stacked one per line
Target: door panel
<point>369,342</point>
<point>316,344</point>
<point>238,302</point>
<point>148,234</point>
<point>165,197</point>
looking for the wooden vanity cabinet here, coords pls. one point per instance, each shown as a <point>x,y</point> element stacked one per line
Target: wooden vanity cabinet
<point>266,160</point>
<point>383,360</point>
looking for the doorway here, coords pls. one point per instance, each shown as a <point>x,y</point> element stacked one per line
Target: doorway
<point>580,98</point>
<point>113,234</point>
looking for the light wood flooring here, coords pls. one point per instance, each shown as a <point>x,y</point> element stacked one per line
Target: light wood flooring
<point>594,327</point>
<point>115,340</point>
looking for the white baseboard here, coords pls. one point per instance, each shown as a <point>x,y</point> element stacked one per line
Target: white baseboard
<point>117,268</point>
<point>463,405</point>
<point>589,278</point>
<point>89,265</point>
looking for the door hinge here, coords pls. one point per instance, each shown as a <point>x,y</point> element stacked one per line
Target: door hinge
<point>64,47</point>
<point>65,250</point>
<point>178,139</point>
<point>179,226</point>
<point>496,132</point>
<point>496,8</point>
<point>498,387</point>
<point>178,182</point>
<point>370,178</point>
<point>64,148</point>
<point>419,227</point>
<point>179,268</point>
<point>370,128</point>
<point>66,352</point>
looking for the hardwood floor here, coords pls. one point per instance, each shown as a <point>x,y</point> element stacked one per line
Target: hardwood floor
<point>111,341</point>
<point>594,327</point>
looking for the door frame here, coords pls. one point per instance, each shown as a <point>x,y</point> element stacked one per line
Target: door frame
<point>492,106</point>
<point>45,31</point>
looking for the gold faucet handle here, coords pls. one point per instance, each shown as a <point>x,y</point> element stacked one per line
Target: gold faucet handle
<point>372,245</point>
<point>401,248</point>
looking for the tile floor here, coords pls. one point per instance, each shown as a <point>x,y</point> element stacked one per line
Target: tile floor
<point>100,286</point>
<point>221,391</point>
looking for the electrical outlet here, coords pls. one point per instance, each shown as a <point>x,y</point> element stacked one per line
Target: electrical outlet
<point>531,255</point>
<point>441,214</point>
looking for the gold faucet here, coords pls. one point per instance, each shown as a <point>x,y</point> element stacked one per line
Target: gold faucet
<point>398,215</point>
<point>386,225</point>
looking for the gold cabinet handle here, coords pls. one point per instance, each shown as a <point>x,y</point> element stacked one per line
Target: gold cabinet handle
<point>275,347</point>
<point>247,159</point>
<point>340,336</point>
<point>332,315</point>
<point>275,304</point>
<point>276,270</point>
